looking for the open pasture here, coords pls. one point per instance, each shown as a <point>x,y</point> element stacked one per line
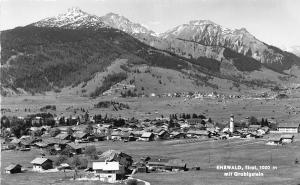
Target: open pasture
<point>207,155</point>
<point>280,110</point>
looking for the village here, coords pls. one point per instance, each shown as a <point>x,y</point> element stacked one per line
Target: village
<point>70,143</point>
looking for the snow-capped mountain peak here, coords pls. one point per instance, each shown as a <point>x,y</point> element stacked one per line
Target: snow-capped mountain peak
<point>72,19</point>
<point>124,24</point>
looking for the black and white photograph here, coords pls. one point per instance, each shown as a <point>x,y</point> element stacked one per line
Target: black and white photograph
<point>150,92</point>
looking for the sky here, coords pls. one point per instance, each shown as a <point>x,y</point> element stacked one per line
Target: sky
<point>276,22</point>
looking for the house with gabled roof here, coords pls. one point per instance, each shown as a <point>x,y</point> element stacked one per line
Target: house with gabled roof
<point>177,135</point>
<point>13,168</point>
<point>293,127</point>
<point>75,149</point>
<point>41,163</point>
<point>163,134</point>
<point>147,136</point>
<point>287,138</point>
<point>65,136</point>
<point>116,135</point>
<point>275,140</point>
<point>157,163</point>
<point>108,171</point>
<point>176,165</point>
<point>80,135</point>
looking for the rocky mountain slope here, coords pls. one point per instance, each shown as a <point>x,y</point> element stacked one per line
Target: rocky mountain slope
<point>207,39</point>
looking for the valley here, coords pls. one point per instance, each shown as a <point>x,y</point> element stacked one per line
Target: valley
<point>89,99</point>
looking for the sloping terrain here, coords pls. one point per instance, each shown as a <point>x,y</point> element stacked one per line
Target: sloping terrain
<point>80,53</point>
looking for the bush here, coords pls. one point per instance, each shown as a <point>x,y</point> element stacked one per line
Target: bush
<point>83,163</point>
<point>90,150</point>
<point>75,161</point>
<point>60,159</point>
<point>132,182</point>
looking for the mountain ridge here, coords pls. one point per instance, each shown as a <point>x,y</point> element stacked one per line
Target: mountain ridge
<point>75,46</point>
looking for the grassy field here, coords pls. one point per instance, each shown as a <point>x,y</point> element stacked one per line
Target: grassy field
<point>281,110</point>
<point>207,155</point>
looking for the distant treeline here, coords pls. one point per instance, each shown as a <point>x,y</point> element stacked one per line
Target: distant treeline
<point>107,104</point>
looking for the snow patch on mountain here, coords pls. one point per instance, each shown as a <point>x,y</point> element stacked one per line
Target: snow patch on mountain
<point>124,24</point>
<point>74,18</point>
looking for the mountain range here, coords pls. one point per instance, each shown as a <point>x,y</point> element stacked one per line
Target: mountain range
<point>77,52</point>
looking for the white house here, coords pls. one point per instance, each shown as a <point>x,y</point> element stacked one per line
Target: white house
<point>108,171</point>
<point>41,163</point>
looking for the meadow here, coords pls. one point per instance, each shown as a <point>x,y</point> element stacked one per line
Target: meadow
<point>206,155</point>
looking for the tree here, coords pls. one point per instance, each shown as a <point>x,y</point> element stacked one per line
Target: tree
<point>54,132</point>
<point>62,121</point>
<point>19,127</point>
<point>253,120</point>
<point>83,163</point>
<point>51,150</point>
<point>75,162</point>
<point>171,124</point>
<point>86,116</point>
<point>66,151</point>
<point>5,122</point>
<point>37,133</point>
<point>89,129</point>
<point>60,159</point>
<point>91,152</point>
<point>5,134</point>
<point>132,182</point>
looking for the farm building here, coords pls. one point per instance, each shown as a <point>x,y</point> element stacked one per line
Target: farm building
<point>253,128</point>
<point>128,136</point>
<point>108,171</point>
<point>64,166</point>
<point>198,133</point>
<point>116,135</point>
<point>276,140</point>
<point>138,133</point>
<point>16,142</point>
<point>163,134</point>
<point>76,149</point>
<point>147,136</point>
<point>64,136</point>
<point>195,121</point>
<point>13,168</point>
<point>41,163</point>
<point>80,135</point>
<point>287,138</point>
<point>176,165</point>
<point>117,156</point>
<point>177,135</point>
<point>157,164</point>
<point>288,127</point>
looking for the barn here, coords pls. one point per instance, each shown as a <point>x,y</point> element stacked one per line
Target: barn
<point>13,168</point>
<point>289,127</point>
<point>41,163</point>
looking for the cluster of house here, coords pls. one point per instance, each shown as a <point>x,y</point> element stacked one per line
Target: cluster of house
<point>111,166</point>
<point>145,131</point>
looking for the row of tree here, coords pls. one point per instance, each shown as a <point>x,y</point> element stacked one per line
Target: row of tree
<point>186,116</point>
